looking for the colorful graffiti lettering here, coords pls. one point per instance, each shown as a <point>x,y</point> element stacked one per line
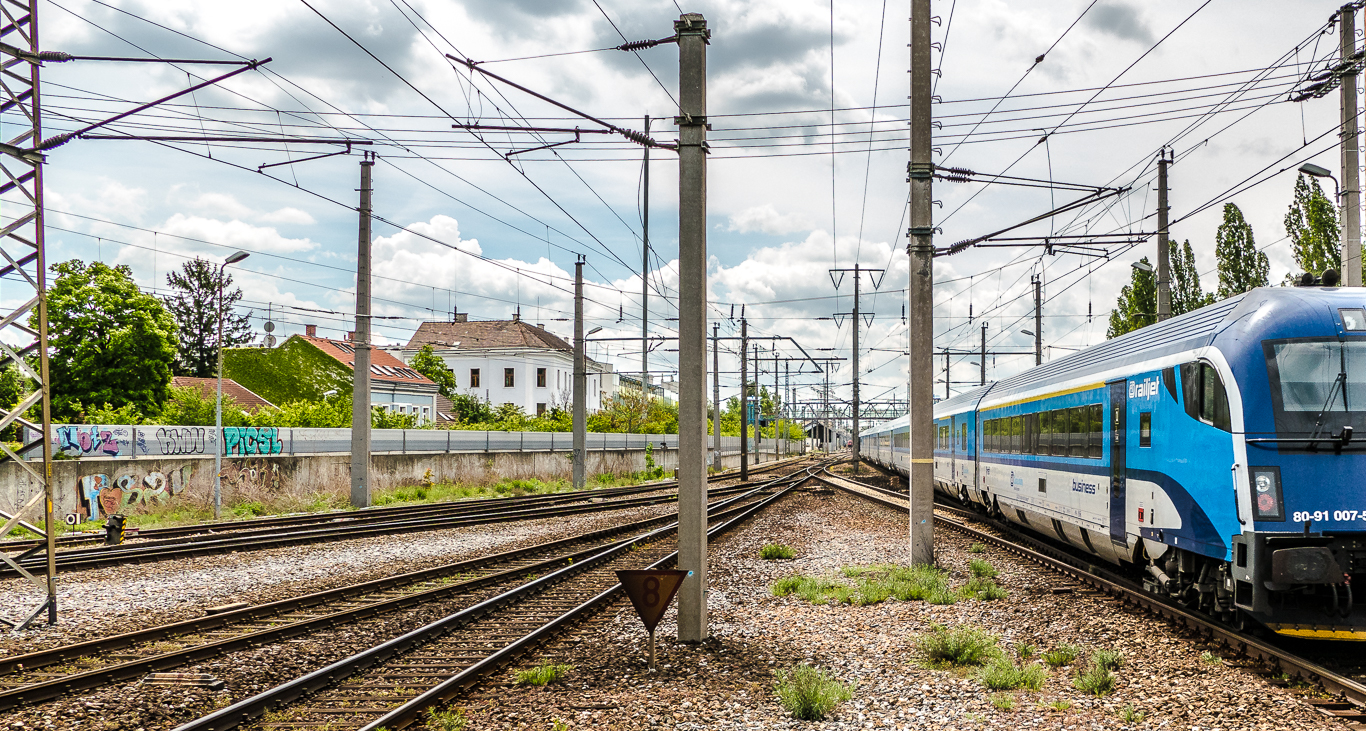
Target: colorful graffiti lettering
<point>250,440</point>
<point>98,441</point>
<point>101,496</point>
<point>182,440</point>
<point>252,473</point>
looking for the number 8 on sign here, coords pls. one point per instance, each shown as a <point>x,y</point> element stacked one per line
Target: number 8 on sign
<point>650,592</point>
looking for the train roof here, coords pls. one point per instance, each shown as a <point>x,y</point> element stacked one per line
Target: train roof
<point>965,401</point>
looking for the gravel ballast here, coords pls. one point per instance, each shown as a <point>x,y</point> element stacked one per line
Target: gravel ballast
<point>727,682</point>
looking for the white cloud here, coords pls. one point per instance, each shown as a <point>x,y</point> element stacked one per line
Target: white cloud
<point>233,234</point>
<point>766,219</point>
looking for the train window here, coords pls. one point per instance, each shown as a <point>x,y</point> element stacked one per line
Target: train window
<point>993,444</point>
<point>965,438</point>
<point>1045,432</point>
<point>1204,395</point>
<point>1076,419</point>
<point>1060,432</point>
<point>1145,429</point>
<point>1016,434</point>
<point>1031,433</point>
<point>1096,445</point>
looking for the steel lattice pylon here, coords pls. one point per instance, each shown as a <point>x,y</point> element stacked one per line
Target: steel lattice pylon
<point>21,246</point>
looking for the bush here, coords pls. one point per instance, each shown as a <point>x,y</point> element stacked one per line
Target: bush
<point>1001,673</point>
<point>960,646</point>
<point>1062,655</point>
<point>810,694</point>
<point>543,674</point>
<point>981,569</point>
<point>1096,680</point>
<point>772,551</point>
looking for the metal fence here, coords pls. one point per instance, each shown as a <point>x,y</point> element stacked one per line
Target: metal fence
<point>130,442</point>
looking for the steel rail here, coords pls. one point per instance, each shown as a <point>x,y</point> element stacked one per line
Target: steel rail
<point>384,513</point>
<point>249,709</point>
<point>1117,587</point>
<point>55,687</point>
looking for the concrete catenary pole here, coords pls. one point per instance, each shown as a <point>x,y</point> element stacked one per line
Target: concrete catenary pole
<point>984,355</point>
<point>580,384</point>
<point>1351,155</point>
<point>744,400</point>
<point>1038,318</point>
<point>758,412</point>
<point>854,408</point>
<point>716,396</point>
<point>947,376</point>
<point>921,294</point>
<point>1164,270</point>
<point>645,273</point>
<point>360,382</point>
<point>777,435</point>
<point>691,29</point>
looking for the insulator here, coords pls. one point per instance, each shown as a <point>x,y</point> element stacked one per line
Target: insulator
<point>640,138</point>
<point>57,141</point>
<point>54,56</point>
<point>637,45</point>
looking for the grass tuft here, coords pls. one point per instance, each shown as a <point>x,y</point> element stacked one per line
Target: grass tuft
<point>1062,655</point>
<point>1001,673</point>
<point>813,589</point>
<point>1129,714</point>
<point>961,646</point>
<point>977,548</point>
<point>772,551</point>
<point>808,693</point>
<point>1003,701</point>
<point>447,720</point>
<point>1059,705</point>
<point>981,569</point>
<point>1096,680</point>
<point>543,674</point>
<point>1026,651</point>
<point>1210,658</point>
<point>1108,659</point>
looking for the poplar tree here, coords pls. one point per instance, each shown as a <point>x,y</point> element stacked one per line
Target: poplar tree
<point>1187,294</point>
<point>1241,266</point>
<point>1313,228</point>
<point>1137,303</point>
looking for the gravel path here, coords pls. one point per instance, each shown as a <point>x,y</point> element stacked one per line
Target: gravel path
<point>726,683</point>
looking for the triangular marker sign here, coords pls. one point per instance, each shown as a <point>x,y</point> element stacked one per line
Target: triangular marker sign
<point>868,318</point>
<point>650,592</point>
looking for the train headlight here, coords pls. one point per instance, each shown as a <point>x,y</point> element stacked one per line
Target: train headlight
<point>1267,501</point>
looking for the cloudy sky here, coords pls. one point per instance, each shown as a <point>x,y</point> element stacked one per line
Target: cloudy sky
<point>464,224</point>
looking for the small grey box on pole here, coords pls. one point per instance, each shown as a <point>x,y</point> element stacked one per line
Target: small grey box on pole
<point>360,382</point>
<point>580,382</point>
<point>921,294</point>
<point>691,29</point>
<point>1351,155</point>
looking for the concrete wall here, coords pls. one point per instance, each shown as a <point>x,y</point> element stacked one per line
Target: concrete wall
<point>92,488</point>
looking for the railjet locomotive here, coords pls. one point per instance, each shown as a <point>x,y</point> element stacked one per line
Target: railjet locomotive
<point>1222,452</point>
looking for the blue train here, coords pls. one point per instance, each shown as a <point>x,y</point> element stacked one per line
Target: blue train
<point>1215,451</point>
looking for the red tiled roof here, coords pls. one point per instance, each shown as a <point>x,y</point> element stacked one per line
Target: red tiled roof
<point>383,366</point>
<point>245,399</point>
<point>486,334</point>
<point>445,410</point>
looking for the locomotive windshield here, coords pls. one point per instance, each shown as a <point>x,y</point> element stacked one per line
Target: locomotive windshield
<point>1317,385</point>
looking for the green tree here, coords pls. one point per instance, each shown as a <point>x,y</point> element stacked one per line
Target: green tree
<point>471,409</point>
<point>112,344</point>
<point>1241,266</point>
<point>1312,225</point>
<point>192,406</point>
<point>429,364</point>
<point>194,304</point>
<point>1137,303</point>
<point>1187,294</point>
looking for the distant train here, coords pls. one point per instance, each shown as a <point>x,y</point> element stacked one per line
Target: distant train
<point>1215,450</point>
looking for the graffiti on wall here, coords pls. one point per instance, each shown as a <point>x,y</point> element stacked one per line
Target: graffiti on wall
<point>176,440</point>
<point>252,473</point>
<point>94,441</point>
<point>245,441</point>
<point>100,495</point>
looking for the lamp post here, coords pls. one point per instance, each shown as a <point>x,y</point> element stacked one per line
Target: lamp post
<point>1315,171</point>
<point>218,407</point>
<point>1142,266</point>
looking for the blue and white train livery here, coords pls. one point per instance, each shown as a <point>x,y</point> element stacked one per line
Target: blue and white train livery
<point>1214,450</point>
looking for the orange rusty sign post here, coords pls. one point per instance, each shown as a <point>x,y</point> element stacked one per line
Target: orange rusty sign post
<point>650,591</point>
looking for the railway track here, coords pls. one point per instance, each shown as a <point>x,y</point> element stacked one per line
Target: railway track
<point>1281,663</point>
<point>374,514</point>
<point>299,530</point>
<point>43,675</point>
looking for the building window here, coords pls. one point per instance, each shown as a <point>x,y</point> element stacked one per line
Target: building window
<point>509,377</point>
<point>540,408</point>
<point>540,378</point>
<point>474,378</point>
<point>1145,429</point>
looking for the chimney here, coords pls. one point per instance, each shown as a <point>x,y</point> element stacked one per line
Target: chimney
<point>350,336</point>
<point>462,317</point>
<point>311,330</point>
<point>517,315</point>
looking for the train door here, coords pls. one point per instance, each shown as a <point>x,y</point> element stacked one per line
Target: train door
<point>954,453</point>
<point>1119,470</point>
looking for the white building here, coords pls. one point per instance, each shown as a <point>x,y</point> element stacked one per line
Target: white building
<point>511,361</point>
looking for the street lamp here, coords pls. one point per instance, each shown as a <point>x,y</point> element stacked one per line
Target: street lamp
<point>1027,332</point>
<point>218,407</point>
<point>1315,171</point>
<point>1142,266</point>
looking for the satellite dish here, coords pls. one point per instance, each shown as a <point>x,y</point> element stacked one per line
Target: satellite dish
<point>270,326</point>
<point>270,341</point>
